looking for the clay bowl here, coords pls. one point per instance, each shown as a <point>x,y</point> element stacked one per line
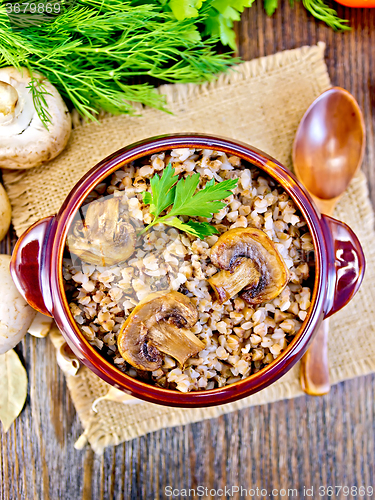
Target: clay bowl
<point>37,271</point>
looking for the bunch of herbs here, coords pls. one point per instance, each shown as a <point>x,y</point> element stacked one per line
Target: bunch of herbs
<point>94,50</point>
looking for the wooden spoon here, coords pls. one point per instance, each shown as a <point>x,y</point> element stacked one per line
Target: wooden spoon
<point>328,150</point>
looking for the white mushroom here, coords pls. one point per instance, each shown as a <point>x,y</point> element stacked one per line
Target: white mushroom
<point>15,314</point>
<point>65,357</point>
<point>40,326</point>
<point>5,213</point>
<point>24,141</point>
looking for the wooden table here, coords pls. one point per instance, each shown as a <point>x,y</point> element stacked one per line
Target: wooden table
<point>305,442</point>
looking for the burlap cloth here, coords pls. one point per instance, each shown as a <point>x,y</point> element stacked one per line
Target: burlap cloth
<point>261,103</point>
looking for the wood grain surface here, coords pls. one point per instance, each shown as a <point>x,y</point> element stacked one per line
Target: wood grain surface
<point>306,442</point>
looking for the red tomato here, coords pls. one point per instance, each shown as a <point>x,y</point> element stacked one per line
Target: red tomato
<point>357,3</point>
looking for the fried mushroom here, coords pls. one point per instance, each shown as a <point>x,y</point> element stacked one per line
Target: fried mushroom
<point>105,236</point>
<point>159,324</point>
<point>227,283</point>
<point>249,261</point>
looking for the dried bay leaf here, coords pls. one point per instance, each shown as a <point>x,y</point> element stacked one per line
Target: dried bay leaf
<point>13,388</point>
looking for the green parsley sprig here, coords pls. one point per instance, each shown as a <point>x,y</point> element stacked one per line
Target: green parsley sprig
<point>218,16</point>
<point>168,190</point>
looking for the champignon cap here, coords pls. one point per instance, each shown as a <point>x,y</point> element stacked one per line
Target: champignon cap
<point>159,324</point>
<point>24,141</point>
<point>15,314</point>
<point>105,236</point>
<point>253,244</point>
<point>8,102</point>
<point>5,212</point>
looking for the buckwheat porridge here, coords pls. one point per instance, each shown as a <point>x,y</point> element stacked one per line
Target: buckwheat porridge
<point>190,303</point>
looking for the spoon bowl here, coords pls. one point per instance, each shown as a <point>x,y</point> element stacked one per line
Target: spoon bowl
<point>328,150</point>
<point>329,144</point>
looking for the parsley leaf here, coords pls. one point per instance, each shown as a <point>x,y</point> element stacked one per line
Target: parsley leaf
<point>197,229</point>
<point>162,195</point>
<point>220,17</point>
<point>217,26</point>
<point>270,6</point>
<point>183,9</point>
<point>205,202</point>
<point>230,10</point>
<point>167,190</point>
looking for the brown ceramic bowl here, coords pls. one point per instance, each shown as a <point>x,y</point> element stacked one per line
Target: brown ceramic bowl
<point>37,271</point>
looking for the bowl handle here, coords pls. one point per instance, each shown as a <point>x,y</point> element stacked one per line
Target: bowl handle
<point>29,265</point>
<point>346,263</point>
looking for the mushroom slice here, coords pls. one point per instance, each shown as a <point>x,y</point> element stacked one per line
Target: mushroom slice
<point>227,283</point>
<point>253,245</point>
<point>159,324</point>
<point>105,237</point>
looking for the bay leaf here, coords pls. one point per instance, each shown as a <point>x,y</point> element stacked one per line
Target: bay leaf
<point>13,388</point>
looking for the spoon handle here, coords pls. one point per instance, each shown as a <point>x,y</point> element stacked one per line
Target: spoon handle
<point>314,376</point>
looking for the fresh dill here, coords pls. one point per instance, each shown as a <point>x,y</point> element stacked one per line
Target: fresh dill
<point>96,51</point>
<point>38,92</point>
<point>324,13</point>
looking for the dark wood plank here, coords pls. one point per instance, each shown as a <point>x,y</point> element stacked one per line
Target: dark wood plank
<point>290,444</point>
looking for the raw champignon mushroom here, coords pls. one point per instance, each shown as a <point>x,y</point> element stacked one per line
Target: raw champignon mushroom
<point>65,357</point>
<point>40,326</point>
<point>250,262</point>
<point>15,314</point>
<point>160,324</point>
<point>5,213</point>
<point>105,237</point>
<point>24,141</point>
